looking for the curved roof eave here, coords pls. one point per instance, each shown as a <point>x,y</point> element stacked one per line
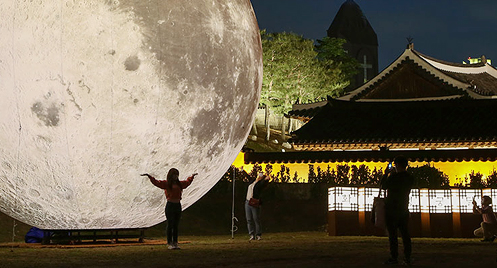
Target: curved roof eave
<point>305,106</point>
<point>460,68</point>
<point>429,65</point>
<point>452,97</point>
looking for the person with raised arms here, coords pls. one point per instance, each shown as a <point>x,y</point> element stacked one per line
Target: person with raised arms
<point>173,189</point>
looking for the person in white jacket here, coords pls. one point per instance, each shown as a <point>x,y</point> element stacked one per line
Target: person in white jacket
<point>253,206</point>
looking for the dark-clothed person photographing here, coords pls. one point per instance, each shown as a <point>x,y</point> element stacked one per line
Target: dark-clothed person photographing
<point>398,183</point>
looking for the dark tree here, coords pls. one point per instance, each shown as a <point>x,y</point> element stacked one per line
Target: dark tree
<point>253,173</point>
<point>342,175</point>
<point>283,175</point>
<point>476,180</point>
<point>239,174</point>
<point>320,174</point>
<point>296,177</point>
<point>329,176</point>
<point>461,182</point>
<point>359,175</point>
<point>376,176</point>
<point>269,170</point>
<point>312,177</point>
<point>330,50</point>
<point>492,180</point>
<point>427,176</point>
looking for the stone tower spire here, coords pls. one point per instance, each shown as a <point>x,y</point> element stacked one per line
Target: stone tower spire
<point>351,24</point>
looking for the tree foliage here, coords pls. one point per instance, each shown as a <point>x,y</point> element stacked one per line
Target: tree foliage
<point>292,71</point>
<point>330,51</point>
<point>492,179</point>
<point>476,180</point>
<point>312,177</point>
<point>429,177</point>
<point>283,175</point>
<point>360,175</point>
<point>425,176</point>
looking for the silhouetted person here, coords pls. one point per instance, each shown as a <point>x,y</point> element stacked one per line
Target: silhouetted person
<point>253,206</point>
<point>488,229</point>
<point>398,183</point>
<point>173,189</point>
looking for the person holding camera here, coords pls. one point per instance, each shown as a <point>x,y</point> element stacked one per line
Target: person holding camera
<point>488,227</point>
<point>253,206</point>
<point>173,189</point>
<point>398,183</point>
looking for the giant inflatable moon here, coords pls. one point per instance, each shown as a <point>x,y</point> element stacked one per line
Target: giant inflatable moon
<point>95,92</point>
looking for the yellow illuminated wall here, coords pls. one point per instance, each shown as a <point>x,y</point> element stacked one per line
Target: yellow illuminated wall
<point>452,169</point>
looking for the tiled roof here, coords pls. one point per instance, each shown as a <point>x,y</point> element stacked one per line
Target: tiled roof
<point>478,81</point>
<point>448,63</point>
<point>483,83</point>
<point>306,111</point>
<point>426,122</point>
<point>409,80</point>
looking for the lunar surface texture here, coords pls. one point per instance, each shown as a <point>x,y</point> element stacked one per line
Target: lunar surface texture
<point>93,93</point>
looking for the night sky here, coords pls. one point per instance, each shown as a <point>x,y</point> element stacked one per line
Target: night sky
<point>450,30</point>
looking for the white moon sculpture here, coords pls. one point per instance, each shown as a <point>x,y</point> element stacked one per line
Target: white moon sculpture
<point>95,92</point>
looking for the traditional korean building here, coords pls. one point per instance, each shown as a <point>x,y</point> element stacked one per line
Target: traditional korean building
<point>426,109</point>
<point>417,104</point>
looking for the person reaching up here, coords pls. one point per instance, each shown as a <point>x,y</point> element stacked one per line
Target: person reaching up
<point>173,188</point>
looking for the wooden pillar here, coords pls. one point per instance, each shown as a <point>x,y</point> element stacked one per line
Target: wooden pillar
<point>425,224</point>
<point>424,200</point>
<point>456,224</point>
<point>455,200</point>
<point>362,222</point>
<point>361,202</point>
<point>332,228</point>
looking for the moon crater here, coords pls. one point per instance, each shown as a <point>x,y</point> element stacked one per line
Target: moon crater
<point>145,86</point>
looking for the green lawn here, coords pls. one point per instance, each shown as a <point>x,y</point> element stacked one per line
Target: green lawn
<point>304,249</point>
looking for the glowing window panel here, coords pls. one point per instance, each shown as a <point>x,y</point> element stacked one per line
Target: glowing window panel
<point>487,192</point>
<point>456,200</point>
<point>420,200</point>
<point>440,201</point>
<point>466,199</point>
<point>414,205</point>
<point>331,198</point>
<point>346,199</point>
<point>492,193</point>
<point>361,198</point>
<point>424,200</point>
<point>369,195</point>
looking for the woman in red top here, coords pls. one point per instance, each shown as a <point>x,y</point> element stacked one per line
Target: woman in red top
<point>173,189</point>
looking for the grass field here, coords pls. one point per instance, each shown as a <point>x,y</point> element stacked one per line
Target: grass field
<point>304,249</point>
